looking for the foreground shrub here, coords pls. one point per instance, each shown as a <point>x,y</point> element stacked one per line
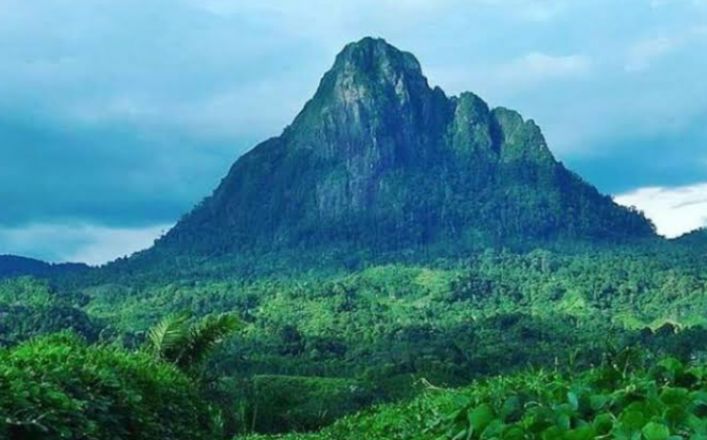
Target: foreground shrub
<point>58,387</point>
<point>667,401</point>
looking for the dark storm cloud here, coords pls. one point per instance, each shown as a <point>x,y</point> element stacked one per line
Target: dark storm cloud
<point>107,174</point>
<point>117,116</point>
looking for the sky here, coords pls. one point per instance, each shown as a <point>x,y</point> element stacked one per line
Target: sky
<point>116,117</point>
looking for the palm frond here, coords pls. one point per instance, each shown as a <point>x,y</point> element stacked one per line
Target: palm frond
<point>168,336</point>
<point>205,335</point>
<point>174,340</point>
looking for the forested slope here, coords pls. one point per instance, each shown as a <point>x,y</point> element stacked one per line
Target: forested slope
<point>318,345</point>
<point>391,241</point>
<point>379,162</point>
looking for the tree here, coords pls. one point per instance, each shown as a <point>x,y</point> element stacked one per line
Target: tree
<point>185,344</point>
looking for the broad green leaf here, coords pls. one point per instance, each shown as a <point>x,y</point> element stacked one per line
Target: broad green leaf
<point>480,417</point>
<point>655,431</point>
<point>603,423</point>
<point>573,400</point>
<point>632,420</point>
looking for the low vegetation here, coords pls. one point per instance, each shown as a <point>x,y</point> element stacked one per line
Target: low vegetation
<point>305,352</point>
<point>657,400</point>
<point>59,387</point>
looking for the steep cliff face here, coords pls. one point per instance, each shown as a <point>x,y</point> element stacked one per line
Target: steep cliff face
<point>379,160</point>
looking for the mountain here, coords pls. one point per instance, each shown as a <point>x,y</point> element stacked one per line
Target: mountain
<point>379,161</point>
<point>12,266</point>
<point>696,239</point>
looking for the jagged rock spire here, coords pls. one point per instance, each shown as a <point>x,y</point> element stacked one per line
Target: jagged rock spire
<point>379,161</point>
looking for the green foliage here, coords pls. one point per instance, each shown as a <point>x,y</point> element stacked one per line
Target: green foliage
<point>14,266</point>
<point>294,403</point>
<point>695,239</point>
<point>352,246</point>
<point>618,400</point>
<point>610,401</point>
<point>29,307</point>
<point>394,326</point>
<point>58,387</point>
<point>186,345</point>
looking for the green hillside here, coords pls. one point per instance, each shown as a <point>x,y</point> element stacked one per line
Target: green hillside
<point>319,345</point>
<point>350,278</point>
<point>379,162</point>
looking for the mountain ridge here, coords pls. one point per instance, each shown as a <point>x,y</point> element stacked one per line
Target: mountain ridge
<point>379,160</point>
<point>14,265</point>
<point>695,238</point>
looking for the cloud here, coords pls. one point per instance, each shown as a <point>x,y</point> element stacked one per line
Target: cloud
<point>84,243</point>
<point>125,114</point>
<point>512,77</point>
<point>674,211</point>
<point>339,13</point>
<point>538,66</point>
<point>656,4</point>
<point>643,53</point>
<point>110,174</point>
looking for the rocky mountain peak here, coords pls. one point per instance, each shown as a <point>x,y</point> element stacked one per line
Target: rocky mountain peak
<point>374,100</point>
<point>378,161</point>
<point>375,55</point>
